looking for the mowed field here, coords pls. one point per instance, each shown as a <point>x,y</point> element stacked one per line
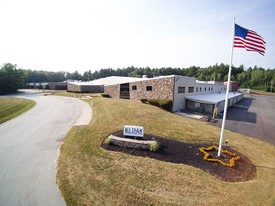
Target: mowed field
<point>90,175</point>
<point>12,107</point>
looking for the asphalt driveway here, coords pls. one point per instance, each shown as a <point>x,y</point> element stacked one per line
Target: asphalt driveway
<point>29,146</point>
<point>257,121</point>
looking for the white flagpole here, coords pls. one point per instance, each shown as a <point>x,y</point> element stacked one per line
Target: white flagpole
<point>227,90</point>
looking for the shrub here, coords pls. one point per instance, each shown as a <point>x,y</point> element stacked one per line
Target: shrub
<point>154,102</point>
<point>105,95</point>
<point>166,104</point>
<point>154,146</point>
<point>143,100</point>
<point>108,140</point>
<point>163,103</point>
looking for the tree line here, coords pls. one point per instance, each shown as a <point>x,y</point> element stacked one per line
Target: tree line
<point>256,78</point>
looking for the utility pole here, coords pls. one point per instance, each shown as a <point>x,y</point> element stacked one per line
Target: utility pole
<point>271,86</point>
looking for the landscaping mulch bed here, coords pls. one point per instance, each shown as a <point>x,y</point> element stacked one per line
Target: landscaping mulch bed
<point>189,154</point>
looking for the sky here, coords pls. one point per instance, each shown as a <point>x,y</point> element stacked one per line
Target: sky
<point>69,35</point>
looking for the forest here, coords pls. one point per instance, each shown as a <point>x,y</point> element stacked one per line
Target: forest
<point>12,78</point>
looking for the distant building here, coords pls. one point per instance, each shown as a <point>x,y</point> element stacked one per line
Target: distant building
<point>57,85</point>
<point>47,85</point>
<point>233,87</point>
<point>97,86</point>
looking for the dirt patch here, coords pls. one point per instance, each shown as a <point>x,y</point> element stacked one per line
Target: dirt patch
<point>189,154</point>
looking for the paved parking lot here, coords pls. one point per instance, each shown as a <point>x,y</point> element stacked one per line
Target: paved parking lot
<point>257,121</point>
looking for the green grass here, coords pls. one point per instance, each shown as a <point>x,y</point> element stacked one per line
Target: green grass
<point>12,107</point>
<point>90,175</point>
<point>70,94</point>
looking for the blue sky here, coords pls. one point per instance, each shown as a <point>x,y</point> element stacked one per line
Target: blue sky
<point>80,35</point>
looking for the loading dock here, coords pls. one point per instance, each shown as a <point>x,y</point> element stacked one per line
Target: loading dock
<point>207,102</point>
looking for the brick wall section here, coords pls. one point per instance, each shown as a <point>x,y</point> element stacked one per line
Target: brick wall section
<point>84,88</point>
<point>112,90</point>
<point>73,88</point>
<point>91,88</point>
<point>162,88</point>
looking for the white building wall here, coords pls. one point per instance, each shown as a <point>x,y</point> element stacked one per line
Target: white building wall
<point>179,98</point>
<point>199,88</point>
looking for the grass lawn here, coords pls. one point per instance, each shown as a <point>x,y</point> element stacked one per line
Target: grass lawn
<point>89,175</point>
<point>12,107</point>
<point>69,94</point>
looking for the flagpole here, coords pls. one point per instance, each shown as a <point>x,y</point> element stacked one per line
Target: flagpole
<point>227,90</point>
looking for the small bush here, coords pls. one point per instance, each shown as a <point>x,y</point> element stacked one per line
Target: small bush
<point>163,103</point>
<point>108,140</point>
<point>154,102</point>
<point>154,147</point>
<point>105,95</point>
<point>166,104</point>
<point>143,100</point>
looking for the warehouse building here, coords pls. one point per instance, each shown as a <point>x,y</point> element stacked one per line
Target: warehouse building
<point>185,92</point>
<point>97,86</point>
<point>82,87</point>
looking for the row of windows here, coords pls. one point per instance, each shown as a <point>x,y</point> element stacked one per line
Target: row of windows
<point>148,88</point>
<point>191,89</point>
<point>180,89</point>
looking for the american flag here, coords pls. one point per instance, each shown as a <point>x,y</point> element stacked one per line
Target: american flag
<point>248,39</point>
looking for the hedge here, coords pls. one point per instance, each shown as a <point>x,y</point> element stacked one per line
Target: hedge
<point>163,103</point>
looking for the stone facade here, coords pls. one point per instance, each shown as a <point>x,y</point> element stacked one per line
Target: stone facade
<point>112,90</point>
<point>176,88</point>
<point>160,88</point>
<point>85,88</point>
<point>91,88</point>
<point>73,87</point>
<point>131,143</point>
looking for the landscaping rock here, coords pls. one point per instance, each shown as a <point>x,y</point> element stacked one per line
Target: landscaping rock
<point>131,143</point>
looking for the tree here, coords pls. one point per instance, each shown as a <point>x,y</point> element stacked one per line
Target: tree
<point>11,78</point>
<point>87,76</point>
<point>74,76</point>
<point>257,77</point>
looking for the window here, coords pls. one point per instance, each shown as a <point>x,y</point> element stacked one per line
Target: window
<point>208,88</point>
<point>181,89</point>
<point>190,89</point>
<point>200,89</point>
<point>134,87</point>
<point>149,88</point>
<point>197,89</point>
<point>211,88</point>
<point>205,89</point>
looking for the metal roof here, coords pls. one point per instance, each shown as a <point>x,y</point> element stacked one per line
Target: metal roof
<point>109,81</point>
<point>211,98</point>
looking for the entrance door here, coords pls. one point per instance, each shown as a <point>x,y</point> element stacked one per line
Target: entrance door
<point>124,91</point>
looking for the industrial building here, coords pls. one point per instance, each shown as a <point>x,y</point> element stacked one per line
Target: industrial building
<point>185,92</point>
<point>97,86</point>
